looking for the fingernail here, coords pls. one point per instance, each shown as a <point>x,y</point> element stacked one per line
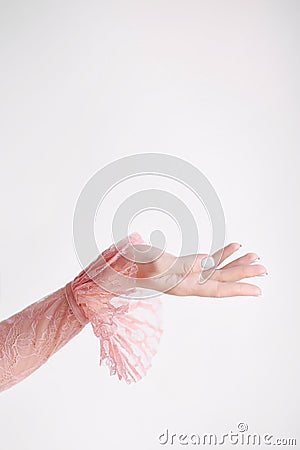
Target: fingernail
<point>255,260</point>
<point>207,263</point>
<point>262,274</point>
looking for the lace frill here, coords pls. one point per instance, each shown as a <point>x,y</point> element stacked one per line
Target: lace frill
<point>128,329</point>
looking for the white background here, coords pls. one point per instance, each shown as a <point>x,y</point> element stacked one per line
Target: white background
<point>83,83</point>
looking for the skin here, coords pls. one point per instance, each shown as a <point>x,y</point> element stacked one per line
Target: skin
<point>179,276</point>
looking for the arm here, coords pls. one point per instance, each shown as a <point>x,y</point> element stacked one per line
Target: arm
<point>31,336</point>
<point>128,332</point>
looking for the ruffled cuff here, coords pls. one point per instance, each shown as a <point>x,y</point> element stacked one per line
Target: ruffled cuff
<point>128,329</point>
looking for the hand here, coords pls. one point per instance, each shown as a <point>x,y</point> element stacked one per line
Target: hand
<point>165,272</point>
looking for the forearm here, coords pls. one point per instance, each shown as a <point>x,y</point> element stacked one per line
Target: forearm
<point>31,336</point>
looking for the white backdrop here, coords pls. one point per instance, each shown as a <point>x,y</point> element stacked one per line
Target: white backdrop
<point>216,83</point>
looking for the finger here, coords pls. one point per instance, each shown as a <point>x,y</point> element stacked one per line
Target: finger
<point>224,253</point>
<point>217,289</point>
<point>236,273</point>
<point>245,259</point>
<point>189,286</point>
<point>191,262</point>
<point>234,289</point>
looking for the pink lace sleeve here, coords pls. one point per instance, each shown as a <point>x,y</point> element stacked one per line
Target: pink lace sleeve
<point>128,329</point>
<point>31,336</point>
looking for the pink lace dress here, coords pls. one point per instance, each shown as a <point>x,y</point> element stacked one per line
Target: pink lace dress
<point>128,329</point>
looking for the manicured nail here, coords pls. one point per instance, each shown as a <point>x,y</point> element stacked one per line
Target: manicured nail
<point>207,263</point>
<point>262,274</point>
<point>255,260</point>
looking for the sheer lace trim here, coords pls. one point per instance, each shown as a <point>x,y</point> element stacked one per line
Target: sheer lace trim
<point>129,330</point>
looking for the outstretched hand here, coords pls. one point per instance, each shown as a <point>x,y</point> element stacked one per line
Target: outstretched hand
<point>180,276</point>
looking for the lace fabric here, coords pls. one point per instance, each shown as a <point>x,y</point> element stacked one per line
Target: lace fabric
<point>128,329</point>
<point>31,336</point>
